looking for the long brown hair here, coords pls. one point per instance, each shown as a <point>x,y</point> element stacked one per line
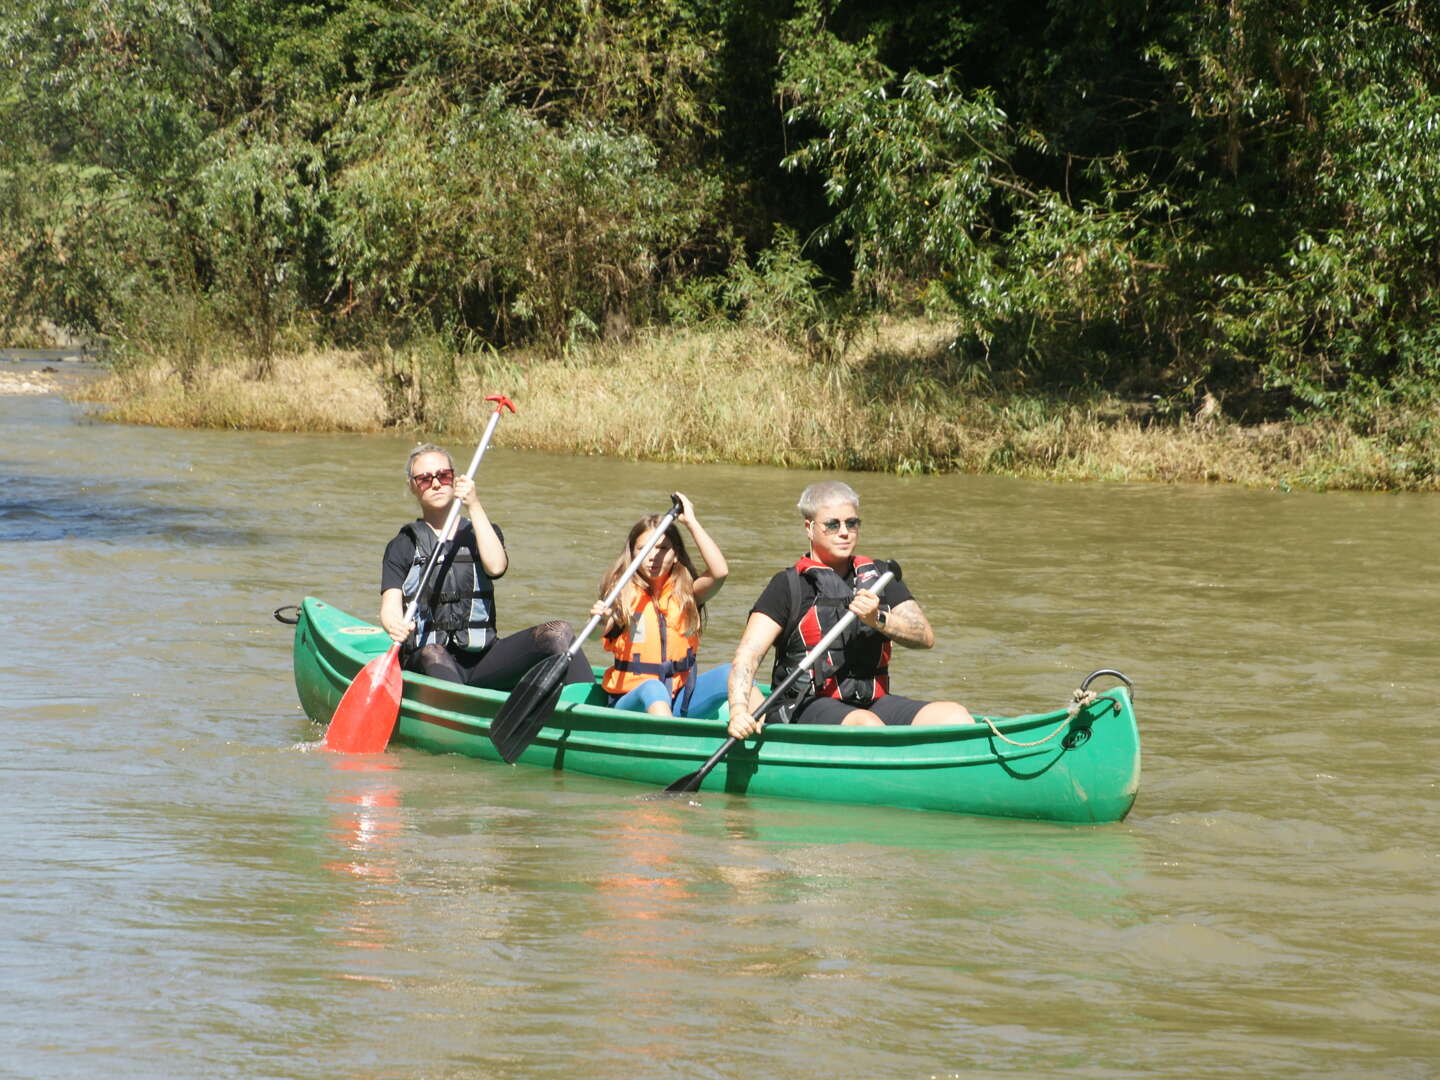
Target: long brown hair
<point>682,577</point>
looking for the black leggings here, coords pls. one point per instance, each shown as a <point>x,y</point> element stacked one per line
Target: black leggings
<point>502,665</point>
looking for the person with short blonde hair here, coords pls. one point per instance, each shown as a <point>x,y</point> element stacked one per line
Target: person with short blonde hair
<point>850,683</point>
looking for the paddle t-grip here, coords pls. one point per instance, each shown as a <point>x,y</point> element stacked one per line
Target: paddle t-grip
<point>501,402</point>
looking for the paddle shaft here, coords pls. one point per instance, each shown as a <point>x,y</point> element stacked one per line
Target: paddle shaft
<point>693,781</point>
<point>533,700</point>
<point>656,536</point>
<point>366,713</point>
<point>448,533</point>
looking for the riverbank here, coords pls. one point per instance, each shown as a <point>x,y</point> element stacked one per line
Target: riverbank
<point>44,371</point>
<point>28,382</point>
<point>897,401</point>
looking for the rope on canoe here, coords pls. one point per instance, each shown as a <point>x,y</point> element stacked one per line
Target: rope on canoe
<point>1005,738</point>
<point>1081,699</point>
<point>289,614</point>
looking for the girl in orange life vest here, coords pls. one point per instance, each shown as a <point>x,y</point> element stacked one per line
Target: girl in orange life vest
<point>653,628</point>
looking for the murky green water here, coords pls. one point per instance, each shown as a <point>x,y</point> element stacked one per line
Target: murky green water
<point>188,893</point>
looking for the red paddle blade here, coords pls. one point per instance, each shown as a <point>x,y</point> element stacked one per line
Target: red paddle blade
<point>366,714</point>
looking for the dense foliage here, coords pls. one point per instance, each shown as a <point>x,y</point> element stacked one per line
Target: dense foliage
<point>1180,200</point>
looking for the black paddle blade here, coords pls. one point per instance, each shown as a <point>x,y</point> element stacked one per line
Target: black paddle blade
<point>531,703</point>
<point>687,783</point>
<point>692,781</point>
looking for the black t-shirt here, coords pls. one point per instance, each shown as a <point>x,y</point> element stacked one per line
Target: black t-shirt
<point>400,554</point>
<point>774,602</point>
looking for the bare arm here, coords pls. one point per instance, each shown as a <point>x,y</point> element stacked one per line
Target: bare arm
<point>493,559</point>
<point>392,615</point>
<point>761,632</point>
<point>716,568</point>
<point>905,624</point>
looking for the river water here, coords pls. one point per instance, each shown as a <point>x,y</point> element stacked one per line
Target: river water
<point>188,891</point>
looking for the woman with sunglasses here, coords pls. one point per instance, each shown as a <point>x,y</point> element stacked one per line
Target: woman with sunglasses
<point>654,626</point>
<point>453,635</point>
<point>850,683</point>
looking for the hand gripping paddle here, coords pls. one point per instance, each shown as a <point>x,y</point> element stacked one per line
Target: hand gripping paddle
<point>366,714</point>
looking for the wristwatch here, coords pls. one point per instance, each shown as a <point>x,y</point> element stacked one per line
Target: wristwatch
<point>880,616</point>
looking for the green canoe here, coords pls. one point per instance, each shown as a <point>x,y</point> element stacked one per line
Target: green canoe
<point>1081,768</point>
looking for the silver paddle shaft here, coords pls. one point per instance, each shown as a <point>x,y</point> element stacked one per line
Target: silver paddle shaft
<point>448,533</point>
<point>655,538</point>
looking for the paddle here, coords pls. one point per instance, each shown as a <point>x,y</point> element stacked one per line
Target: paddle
<point>533,699</point>
<point>693,781</point>
<point>366,714</point>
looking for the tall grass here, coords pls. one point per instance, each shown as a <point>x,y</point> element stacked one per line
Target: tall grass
<point>310,391</point>
<point>895,402</point>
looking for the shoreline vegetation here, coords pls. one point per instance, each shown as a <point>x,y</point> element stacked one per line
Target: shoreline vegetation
<point>893,401</point>
<point>1194,244</point>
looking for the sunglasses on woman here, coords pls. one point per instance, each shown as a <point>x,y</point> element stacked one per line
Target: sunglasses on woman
<point>425,479</point>
<point>833,525</point>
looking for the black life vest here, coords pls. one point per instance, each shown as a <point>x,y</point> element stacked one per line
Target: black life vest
<point>458,607</point>
<point>856,666</point>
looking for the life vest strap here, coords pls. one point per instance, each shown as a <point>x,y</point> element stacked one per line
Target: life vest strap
<point>661,670</point>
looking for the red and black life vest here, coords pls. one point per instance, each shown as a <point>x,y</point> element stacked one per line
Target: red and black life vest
<point>856,667</point>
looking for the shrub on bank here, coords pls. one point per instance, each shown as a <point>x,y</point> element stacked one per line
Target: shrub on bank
<point>899,400</point>
<point>310,391</point>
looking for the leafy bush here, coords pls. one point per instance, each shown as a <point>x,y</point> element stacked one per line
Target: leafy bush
<point>484,209</point>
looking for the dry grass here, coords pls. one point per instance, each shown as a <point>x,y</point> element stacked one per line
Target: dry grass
<point>312,391</point>
<point>893,403</point>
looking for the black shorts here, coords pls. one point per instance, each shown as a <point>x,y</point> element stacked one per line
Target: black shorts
<point>892,708</point>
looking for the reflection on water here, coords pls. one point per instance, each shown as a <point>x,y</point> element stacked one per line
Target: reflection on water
<point>366,824</point>
<point>645,855</point>
<point>184,887</point>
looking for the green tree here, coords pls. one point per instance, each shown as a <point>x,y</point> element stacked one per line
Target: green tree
<point>483,209</point>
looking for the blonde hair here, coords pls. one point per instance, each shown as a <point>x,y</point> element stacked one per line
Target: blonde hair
<point>425,448</point>
<point>682,577</point>
<point>825,491</point>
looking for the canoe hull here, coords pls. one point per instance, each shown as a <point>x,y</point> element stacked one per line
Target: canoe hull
<point>1088,772</point>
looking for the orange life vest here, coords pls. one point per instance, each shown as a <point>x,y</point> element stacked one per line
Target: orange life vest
<point>652,646</point>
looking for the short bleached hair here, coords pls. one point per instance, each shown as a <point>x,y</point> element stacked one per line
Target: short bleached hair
<point>823,493</point>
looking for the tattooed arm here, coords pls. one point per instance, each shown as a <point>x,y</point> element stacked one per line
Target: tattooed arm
<point>760,633</point>
<point>905,624</point>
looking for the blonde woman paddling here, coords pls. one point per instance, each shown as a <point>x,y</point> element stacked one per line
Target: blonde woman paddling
<point>454,635</point>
